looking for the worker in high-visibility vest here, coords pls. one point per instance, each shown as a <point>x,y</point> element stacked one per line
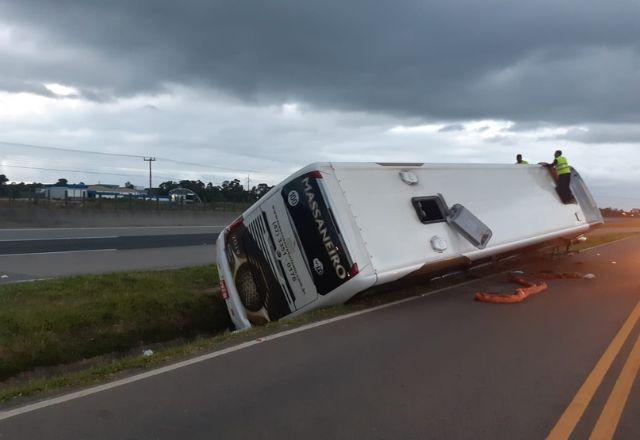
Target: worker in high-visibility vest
<point>563,170</point>
<point>520,161</point>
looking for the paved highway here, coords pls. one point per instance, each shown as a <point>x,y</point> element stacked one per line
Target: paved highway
<point>125,231</point>
<point>27,254</point>
<point>440,366</point>
<point>39,246</point>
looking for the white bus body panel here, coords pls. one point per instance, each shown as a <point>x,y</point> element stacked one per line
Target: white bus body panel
<point>518,203</point>
<point>372,209</point>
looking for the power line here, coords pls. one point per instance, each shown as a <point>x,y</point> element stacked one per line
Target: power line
<point>165,176</point>
<point>71,150</point>
<point>33,162</point>
<point>103,153</point>
<point>81,171</point>
<point>208,166</point>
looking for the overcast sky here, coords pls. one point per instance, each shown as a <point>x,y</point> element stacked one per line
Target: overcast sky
<point>264,87</point>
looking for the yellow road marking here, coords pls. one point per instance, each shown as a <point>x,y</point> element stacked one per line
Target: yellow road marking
<point>573,413</point>
<point>608,422</point>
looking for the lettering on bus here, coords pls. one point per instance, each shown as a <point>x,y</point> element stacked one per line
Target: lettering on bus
<point>327,258</point>
<point>322,230</point>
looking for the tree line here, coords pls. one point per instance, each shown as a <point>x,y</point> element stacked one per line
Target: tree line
<point>227,191</point>
<point>17,190</point>
<point>613,212</point>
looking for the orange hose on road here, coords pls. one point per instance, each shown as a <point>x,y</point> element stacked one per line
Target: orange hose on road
<point>528,288</point>
<point>509,298</point>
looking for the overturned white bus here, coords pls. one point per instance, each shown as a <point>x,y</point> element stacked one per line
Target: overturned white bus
<point>332,230</point>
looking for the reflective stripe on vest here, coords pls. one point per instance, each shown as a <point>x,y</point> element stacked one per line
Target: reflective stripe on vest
<point>562,166</point>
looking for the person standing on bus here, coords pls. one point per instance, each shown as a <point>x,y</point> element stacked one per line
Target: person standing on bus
<point>520,161</point>
<point>563,170</point>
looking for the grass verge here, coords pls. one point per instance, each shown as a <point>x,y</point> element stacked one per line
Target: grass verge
<point>202,277</point>
<point>598,239</point>
<point>622,222</point>
<point>60,321</point>
<point>115,368</point>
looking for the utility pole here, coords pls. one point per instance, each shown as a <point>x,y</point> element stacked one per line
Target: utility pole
<point>150,160</point>
<point>248,180</point>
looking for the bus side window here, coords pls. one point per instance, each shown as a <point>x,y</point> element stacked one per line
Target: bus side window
<point>430,209</point>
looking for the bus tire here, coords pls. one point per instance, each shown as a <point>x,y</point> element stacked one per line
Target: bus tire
<point>252,298</point>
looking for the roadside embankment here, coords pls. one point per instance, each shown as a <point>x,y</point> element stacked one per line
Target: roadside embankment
<point>61,321</point>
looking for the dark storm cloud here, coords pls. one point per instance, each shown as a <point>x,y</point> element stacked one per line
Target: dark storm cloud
<point>556,61</point>
<point>13,85</point>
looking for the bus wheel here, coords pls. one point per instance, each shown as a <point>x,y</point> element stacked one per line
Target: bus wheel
<point>249,293</point>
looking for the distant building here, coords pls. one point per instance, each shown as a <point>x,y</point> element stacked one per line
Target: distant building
<point>103,191</point>
<point>184,195</point>
<point>63,192</point>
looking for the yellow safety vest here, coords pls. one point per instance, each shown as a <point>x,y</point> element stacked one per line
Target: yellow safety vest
<point>523,162</point>
<point>562,166</point>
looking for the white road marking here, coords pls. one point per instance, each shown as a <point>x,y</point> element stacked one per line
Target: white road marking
<point>30,280</point>
<point>111,227</point>
<point>64,238</point>
<point>118,383</point>
<point>58,252</point>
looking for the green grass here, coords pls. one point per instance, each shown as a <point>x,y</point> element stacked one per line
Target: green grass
<point>114,368</point>
<point>627,223</point>
<point>65,320</point>
<point>596,240</point>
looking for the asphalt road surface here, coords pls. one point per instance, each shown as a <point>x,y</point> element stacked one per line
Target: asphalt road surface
<point>122,231</point>
<point>14,247</point>
<point>27,254</point>
<point>440,366</point>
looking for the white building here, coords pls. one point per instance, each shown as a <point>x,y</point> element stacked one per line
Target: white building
<point>102,191</point>
<point>69,191</point>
